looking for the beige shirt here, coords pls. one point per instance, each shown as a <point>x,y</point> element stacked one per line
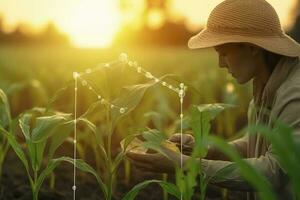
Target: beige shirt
<point>281,96</point>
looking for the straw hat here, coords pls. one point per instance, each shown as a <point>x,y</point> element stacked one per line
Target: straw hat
<point>247,21</point>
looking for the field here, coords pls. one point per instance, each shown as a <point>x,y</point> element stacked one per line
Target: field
<point>30,76</point>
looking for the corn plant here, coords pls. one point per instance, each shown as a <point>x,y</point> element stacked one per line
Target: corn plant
<point>192,175</point>
<point>5,124</point>
<point>129,98</point>
<point>114,110</point>
<point>286,148</point>
<point>39,128</point>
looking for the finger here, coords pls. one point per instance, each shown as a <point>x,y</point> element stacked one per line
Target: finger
<point>175,138</point>
<point>185,138</point>
<point>145,157</point>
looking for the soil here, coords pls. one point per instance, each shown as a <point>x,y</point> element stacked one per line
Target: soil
<point>15,184</point>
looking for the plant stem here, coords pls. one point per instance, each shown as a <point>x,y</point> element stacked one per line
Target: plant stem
<point>1,164</point>
<point>3,151</point>
<point>109,158</point>
<point>165,193</point>
<point>127,171</point>
<point>34,192</point>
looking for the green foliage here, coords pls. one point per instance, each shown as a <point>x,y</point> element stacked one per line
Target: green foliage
<point>39,127</point>
<point>5,126</point>
<point>168,187</point>
<point>199,120</point>
<point>285,147</point>
<point>129,98</point>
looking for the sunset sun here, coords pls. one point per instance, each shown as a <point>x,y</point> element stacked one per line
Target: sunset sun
<point>93,24</point>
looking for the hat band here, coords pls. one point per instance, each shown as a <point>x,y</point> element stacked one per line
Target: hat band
<point>245,31</point>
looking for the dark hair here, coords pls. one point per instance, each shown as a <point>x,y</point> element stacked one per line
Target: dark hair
<point>271,59</point>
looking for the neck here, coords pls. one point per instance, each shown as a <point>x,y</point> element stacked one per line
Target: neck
<point>260,80</point>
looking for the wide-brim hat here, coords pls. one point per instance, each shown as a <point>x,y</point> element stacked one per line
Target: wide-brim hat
<point>245,21</point>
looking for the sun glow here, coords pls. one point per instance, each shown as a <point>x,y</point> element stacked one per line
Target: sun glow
<point>93,23</point>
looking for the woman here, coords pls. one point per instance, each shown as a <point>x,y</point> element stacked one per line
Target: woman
<point>251,44</point>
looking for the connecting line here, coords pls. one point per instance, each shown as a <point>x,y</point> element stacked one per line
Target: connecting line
<point>123,58</point>
<point>100,98</point>
<point>99,67</point>
<point>181,96</point>
<point>75,75</point>
<point>180,91</point>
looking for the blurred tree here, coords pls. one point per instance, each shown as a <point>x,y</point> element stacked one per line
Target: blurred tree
<point>157,26</point>
<point>1,28</point>
<point>295,31</point>
<point>21,35</point>
<point>52,36</point>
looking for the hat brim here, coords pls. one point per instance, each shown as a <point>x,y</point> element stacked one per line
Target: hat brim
<point>283,45</point>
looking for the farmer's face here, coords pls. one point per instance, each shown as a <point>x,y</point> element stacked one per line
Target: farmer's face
<point>239,59</point>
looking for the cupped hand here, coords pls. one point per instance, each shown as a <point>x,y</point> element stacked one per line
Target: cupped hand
<point>188,142</point>
<point>155,162</point>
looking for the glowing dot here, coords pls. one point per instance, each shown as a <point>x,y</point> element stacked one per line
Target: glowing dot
<point>170,86</point>
<point>181,93</point>
<point>139,69</point>
<point>88,71</point>
<point>75,89</point>
<point>181,85</point>
<point>122,110</point>
<point>164,83</point>
<point>123,58</point>
<point>229,87</point>
<point>106,65</point>
<point>181,115</point>
<point>112,106</point>
<point>75,75</point>
<point>74,187</point>
<point>90,88</point>
<point>99,97</point>
<point>75,141</point>
<point>83,83</point>
<point>156,80</point>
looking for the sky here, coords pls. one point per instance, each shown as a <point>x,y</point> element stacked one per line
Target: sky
<point>95,22</point>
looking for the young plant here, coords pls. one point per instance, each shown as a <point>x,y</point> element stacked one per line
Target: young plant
<point>285,145</point>
<point>129,98</point>
<point>40,127</point>
<point>192,175</point>
<point>5,124</point>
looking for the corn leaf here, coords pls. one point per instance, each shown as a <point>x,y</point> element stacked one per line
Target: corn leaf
<point>200,119</point>
<point>5,117</point>
<point>60,135</point>
<point>45,126</point>
<point>170,188</point>
<point>285,149</point>
<point>129,98</point>
<point>257,180</point>
<point>16,147</point>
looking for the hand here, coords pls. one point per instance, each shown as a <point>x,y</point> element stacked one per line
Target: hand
<point>188,142</point>
<point>156,162</point>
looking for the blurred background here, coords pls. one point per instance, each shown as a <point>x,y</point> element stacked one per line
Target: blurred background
<point>42,42</point>
<point>104,23</point>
